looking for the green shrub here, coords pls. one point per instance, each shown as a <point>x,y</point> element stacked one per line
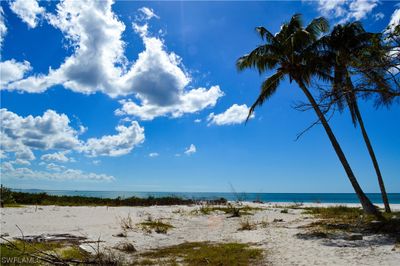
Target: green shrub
<point>6,195</point>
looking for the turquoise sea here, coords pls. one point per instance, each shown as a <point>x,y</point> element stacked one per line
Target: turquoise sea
<point>394,198</point>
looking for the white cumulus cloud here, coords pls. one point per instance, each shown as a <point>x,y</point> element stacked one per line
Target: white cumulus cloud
<point>28,11</point>
<point>12,70</point>
<point>115,145</point>
<point>56,172</point>
<point>153,154</point>
<point>189,102</point>
<point>236,114</point>
<point>21,135</point>
<point>3,28</point>
<point>54,167</point>
<point>346,10</point>
<point>20,162</point>
<point>157,79</point>
<point>52,131</point>
<point>394,20</point>
<point>57,156</point>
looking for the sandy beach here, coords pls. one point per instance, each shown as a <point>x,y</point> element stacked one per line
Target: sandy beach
<point>277,233</point>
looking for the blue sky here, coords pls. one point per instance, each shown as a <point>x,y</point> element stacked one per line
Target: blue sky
<point>145,96</point>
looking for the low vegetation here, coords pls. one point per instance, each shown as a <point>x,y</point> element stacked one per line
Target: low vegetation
<point>342,218</point>
<point>233,211</point>
<point>158,226</point>
<point>12,205</point>
<point>126,223</point>
<point>246,225</point>
<point>126,247</point>
<point>14,198</point>
<point>264,223</point>
<point>341,212</point>
<point>203,253</point>
<point>20,252</point>
<point>294,206</point>
<point>196,253</point>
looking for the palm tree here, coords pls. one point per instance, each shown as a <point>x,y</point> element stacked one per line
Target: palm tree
<point>291,53</point>
<point>345,46</point>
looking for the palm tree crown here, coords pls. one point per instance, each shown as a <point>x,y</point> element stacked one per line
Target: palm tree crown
<point>291,52</point>
<point>349,49</point>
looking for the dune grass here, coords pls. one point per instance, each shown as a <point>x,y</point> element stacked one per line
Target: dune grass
<point>13,205</point>
<point>12,256</point>
<point>351,219</point>
<point>247,225</point>
<point>156,226</point>
<point>126,223</point>
<point>229,209</point>
<point>23,253</point>
<point>203,253</point>
<point>341,213</point>
<point>57,253</point>
<point>294,206</point>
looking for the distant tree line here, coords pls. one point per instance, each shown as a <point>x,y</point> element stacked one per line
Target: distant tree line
<point>13,197</point>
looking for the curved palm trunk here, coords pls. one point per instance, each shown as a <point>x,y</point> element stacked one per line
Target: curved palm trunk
<point>366,204</point>
<point>373,158</point>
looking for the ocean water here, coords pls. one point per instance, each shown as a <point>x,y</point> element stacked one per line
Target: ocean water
<point>264,197</point>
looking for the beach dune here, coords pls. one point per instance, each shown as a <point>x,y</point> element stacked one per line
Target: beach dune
<point>277,230</point>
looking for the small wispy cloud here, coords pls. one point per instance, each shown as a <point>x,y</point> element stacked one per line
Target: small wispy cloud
<point>379,16</point>
<point>146,13</point>
<point>191,150</point>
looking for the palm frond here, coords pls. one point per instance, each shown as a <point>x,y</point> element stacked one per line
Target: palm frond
<point>263,58</point>
<point>265,34</point>
<point>268,88</point>
<point>317,27</point>
<point>295,23</point>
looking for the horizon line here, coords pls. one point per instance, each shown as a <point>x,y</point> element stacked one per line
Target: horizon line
<point>226,192</point>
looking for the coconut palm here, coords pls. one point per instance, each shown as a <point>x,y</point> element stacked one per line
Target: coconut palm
<point>350,48</point>
<point>292,53</point>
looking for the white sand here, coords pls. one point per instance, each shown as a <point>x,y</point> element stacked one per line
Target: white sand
<point>278,239</point>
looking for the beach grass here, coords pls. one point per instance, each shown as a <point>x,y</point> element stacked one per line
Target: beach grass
<point>342,213</point>
<point>247,225</point>
<point>126,223</point>
<point>25,253</point>
<point>233,211</point>
<point>191,253</point>
<point>156,226</point>
<point>204,253</point>
<point>13,205</point>
<point>351,219</point>
<point>11,256</point>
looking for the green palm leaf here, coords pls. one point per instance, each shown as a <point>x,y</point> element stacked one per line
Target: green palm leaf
<point>268,88</point>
